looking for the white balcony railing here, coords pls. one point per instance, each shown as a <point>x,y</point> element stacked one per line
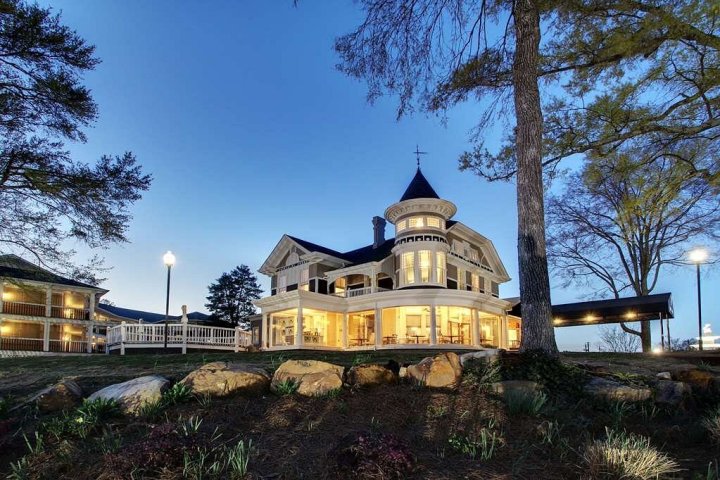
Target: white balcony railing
<point>179,336</point>
<point>356,292</point>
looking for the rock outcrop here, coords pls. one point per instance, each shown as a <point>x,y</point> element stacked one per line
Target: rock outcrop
<point>313,377</point>
<point>671,393</point>
<point>441,371</point>
<point>616,391</point>
<point>222,378</point>
<point>489,355</point>
<point>63,395</point>
<point>520,386</point>
<point>135,393</point>
<point>371,375</point>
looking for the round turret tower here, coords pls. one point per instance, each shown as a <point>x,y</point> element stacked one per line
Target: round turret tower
<point>420,242</point>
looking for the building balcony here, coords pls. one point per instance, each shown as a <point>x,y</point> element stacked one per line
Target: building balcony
<point>356,292</point>
<point>39,310</point>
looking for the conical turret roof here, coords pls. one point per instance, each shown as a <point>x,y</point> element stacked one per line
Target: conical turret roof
<point>419,188</point>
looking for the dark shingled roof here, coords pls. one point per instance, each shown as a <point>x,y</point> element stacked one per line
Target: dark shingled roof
<point>355,257</point>
<point>314,247</point>
<point>419,188</point>
<point>12,266</point>
<point>370,254</point>
<point>150,317</point>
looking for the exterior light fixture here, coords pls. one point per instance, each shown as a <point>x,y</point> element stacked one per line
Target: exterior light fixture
<point>169,261</point>
<point>698,256</point>
<point>630,315</point>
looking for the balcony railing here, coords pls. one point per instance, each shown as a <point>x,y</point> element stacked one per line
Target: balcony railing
<point>356,292</point>
<point>38,310</point>
<point>19,308</point>
<point>21,344</point>
<point>69,346</point>
<point>70,313</point>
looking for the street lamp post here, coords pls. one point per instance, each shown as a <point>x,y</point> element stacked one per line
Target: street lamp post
<point>698,256</point>
<point>169,261</point>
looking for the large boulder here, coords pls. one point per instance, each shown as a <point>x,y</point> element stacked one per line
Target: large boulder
<point>371,375</point>
<point>664,376</point>
<point>312,376</point>
<point>222,378</point>
<point>488,354</point>
<point>441,371</point>
<point>62,396</point>
<point>135,393</point>
<point>671,393</point>
<point>616,391</point>
<point>519,386</point>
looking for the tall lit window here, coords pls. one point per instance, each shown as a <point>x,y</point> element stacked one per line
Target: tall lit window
<point>415,222</point>
<point>425,265</point>
<point>440,267</point>
<point>408,267</point>
<point>401,225</point>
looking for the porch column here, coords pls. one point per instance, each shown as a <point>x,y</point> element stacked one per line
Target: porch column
<point>505,343</point>
<point>91,307</point>
<point>299,338</point>
<point>48,301</point>
<point>433,324</point>
<point>264,336</point>
<point>475,318</point>
<point>89,335</point>
<point>373,281</point>
<point>378,327</point>
<point>46,336</point>
<point>2,286</point>
<point>345,330</point>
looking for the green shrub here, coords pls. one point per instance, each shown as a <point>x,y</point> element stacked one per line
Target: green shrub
<point>179,393</point>
<point>332,394</point>
<point>237,459</point>
<point>481,446</point>
<point>711,422</point>
<point>287,387</point>
<point>623,455</point>
<point>481,373</point>
<point>361,358</point>
<point>152,411</point>
<point>83,421</point>
<point>521,402</point>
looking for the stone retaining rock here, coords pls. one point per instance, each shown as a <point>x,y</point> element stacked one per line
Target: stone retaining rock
<point>371,375</point>
<point>222,378</point>
<point>611,390</point>
<point>489,355</point>
<point>698,379</point>
<point>63,395</point>
<point>135,393</point>
<point>314,377</point>
<point>441,371</point>
<point>671,393</point>
<point>664,376</point>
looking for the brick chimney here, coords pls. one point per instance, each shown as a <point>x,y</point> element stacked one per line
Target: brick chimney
<point>378,231</point>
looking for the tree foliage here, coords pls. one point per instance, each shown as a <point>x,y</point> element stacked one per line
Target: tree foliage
<point>47,198</point>
<point>232,294</point>
<point>629,215</point>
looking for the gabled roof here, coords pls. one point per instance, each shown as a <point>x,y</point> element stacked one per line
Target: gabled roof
<point>149,317</point>
<point>12,266</point>
<point>419,188</point>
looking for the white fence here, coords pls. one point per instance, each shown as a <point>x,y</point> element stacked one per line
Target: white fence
<point>179,335</point>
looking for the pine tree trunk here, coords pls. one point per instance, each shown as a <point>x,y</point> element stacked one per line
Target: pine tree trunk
<point>537,329</point>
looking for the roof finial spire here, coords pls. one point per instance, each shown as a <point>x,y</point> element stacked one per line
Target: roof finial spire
<point>417,153</point>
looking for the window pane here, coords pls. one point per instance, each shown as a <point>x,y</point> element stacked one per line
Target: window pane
<point>408,267</point>
<point>425,264</point>
<point>416,222</point>
<point>433,222</point>
<point>440,264</point>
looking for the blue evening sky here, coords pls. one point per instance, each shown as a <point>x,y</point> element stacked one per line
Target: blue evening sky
<point>250,132</point>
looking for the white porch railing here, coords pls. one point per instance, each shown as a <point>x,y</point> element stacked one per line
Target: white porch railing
<point>180,335</point>
<point>356,292</point>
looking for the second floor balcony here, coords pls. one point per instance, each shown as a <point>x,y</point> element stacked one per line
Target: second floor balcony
<point>36,302</point>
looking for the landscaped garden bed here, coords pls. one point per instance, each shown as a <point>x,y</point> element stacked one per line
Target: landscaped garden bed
<point>522,417</point>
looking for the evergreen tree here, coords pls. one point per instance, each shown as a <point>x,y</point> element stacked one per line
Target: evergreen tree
<point>47,197</point>
<point>232,294</point>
